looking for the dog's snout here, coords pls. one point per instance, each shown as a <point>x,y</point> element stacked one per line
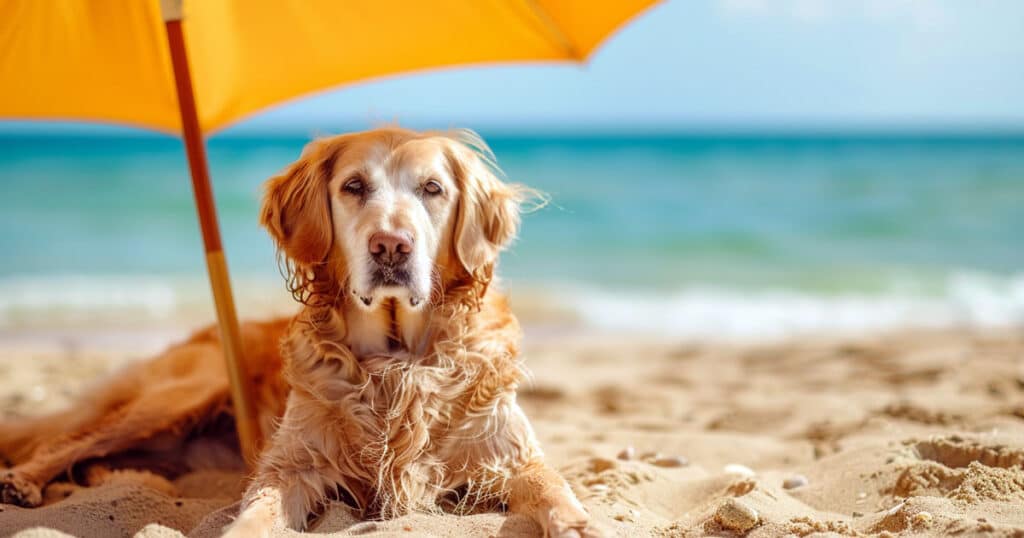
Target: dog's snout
<point>390,248</point>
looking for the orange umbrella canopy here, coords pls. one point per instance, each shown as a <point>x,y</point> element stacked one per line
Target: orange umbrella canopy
<point>108,61</point>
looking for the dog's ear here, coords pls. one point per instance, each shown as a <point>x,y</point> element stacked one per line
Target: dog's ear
<point>296,205</point>
<point>487,216</point>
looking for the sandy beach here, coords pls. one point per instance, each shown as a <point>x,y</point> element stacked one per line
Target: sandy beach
<point>767,256</point>
<point>907,433</point>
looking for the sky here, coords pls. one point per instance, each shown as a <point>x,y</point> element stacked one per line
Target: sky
<point>731,64</point>
<point>726,64</point>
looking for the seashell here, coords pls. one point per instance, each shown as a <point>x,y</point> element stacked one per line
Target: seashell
<point>795,481</point>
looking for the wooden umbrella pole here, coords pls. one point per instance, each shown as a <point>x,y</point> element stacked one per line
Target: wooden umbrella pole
<point>216,265</point>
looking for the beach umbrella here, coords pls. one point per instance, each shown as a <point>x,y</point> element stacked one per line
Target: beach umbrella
<point>193,68</point>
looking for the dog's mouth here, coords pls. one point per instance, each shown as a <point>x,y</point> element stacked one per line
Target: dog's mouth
<point>387,275</point>
<point>390,282</point>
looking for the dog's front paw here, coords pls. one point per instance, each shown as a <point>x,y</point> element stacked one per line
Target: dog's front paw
<point>244,529</point>
<point>17,490</point>
<point>570,522</point>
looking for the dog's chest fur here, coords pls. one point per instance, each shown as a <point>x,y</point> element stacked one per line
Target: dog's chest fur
<point>402,430</point>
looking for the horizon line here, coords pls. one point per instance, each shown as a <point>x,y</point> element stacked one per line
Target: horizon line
<point>10,128</point>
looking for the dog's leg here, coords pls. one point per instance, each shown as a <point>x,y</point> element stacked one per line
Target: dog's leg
<point>283,494</point>
<point>262,510</point>
<point>293,476</point>
<point>127,426</point>
<point>267,507</point>
<point>19,437</point>
<point>538,491</point>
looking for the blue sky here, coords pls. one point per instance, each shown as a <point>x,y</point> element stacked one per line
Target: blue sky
<point>731,64</point>
<point>726,64</point>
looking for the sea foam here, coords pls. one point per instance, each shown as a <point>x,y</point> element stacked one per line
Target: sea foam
<point>965,299</point>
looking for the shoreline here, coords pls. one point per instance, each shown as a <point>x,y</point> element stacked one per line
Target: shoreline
<point>84,306</point>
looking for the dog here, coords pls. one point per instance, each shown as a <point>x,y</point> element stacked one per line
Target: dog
<point>394,386</point>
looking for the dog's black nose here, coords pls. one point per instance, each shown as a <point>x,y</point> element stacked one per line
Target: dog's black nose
<point>390,248</point>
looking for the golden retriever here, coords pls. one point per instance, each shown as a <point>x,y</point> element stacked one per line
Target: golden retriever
<point>394,387</point>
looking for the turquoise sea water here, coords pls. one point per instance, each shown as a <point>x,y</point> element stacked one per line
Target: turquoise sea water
<point>747,229</point>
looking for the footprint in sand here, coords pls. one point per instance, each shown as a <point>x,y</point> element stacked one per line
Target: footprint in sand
<point>955,451</point>
<point>963,470</point>
<point>607,479</point>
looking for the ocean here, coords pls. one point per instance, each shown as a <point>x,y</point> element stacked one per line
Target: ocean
<point>688,234</point>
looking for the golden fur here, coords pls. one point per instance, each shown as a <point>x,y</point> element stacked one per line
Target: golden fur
<point>396,398</point>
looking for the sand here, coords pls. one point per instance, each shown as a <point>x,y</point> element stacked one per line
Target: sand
<point>907,434</point>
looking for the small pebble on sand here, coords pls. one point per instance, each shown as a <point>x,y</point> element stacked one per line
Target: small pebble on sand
<point>627,453</point>
<point>922,519</point>
<point>735,515</point>
<point>671,461</point>
<point>795,481</point>
<point>742,470</point>
<point>600,465</point>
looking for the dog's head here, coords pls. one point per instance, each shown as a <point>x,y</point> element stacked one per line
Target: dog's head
<point>390,213</point>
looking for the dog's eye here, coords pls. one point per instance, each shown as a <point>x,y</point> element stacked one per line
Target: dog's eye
<point>432,187</point>
<point>354,186</point>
